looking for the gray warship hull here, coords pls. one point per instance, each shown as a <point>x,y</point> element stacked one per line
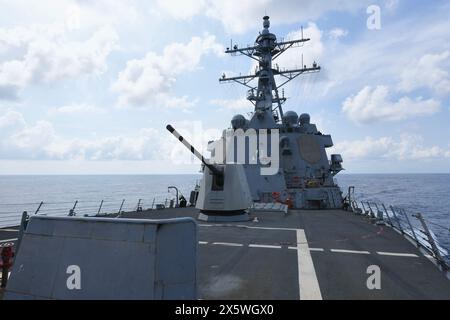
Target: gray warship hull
<point>304,254</point>
<point>236,250</point>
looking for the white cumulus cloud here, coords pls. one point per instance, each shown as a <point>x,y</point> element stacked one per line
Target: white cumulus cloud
<point>312,50</point>
<point>22,140</point>
<point>238,16</point>
<point>374,104</point>
<point>38,54</point>
<point>233,104</point>
<point>337,33</point>
<point>39,140</point>
<point>149,80</point>
<point>72,109</point>
<point>182,9</point>
<point>430,71</point>
<point>12,119</point>
<point>406,147</point>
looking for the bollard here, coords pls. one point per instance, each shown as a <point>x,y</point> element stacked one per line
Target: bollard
<point>6,263</point>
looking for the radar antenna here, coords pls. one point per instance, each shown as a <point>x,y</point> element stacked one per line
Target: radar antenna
<point>265,50</point>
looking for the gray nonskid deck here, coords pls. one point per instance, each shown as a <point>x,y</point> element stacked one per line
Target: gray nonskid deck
<point>266,259</point>
<point>259,260</point>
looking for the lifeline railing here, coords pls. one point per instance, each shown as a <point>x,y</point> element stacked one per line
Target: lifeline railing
<point>11,213</point>
<point>412,225</point>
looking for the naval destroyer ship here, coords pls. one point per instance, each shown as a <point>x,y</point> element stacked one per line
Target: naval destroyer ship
<point>270,220</point>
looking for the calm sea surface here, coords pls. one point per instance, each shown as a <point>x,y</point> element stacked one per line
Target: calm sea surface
<point>428,194</point>
<point>425,193</point>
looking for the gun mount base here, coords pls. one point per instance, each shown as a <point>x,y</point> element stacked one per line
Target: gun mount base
<point>222,216</point>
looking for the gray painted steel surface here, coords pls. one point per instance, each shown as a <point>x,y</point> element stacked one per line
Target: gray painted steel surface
<point>258,260</point>
<point>303,174</point>
<point>118,259</point>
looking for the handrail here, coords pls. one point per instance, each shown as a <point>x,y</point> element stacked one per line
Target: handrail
<point>10,213</point>
<point>417,230</point>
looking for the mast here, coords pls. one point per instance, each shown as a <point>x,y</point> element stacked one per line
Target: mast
<point>265,95</point>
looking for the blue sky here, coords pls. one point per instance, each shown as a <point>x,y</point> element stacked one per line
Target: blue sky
<point>88,86</point>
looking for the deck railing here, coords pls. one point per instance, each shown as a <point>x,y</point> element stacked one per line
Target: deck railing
<point>11,213</point>
<point>412,225</point>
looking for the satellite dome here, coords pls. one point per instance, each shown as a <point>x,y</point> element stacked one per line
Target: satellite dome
<point>290,118</point>
<point>304,118</point>
<point>238,122</point>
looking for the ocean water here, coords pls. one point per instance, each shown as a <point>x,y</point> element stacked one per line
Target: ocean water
<point>428,194</point>
<point>59,193</point>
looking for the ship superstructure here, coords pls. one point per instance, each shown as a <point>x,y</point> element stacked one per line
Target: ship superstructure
<point>340,252</point>
<point>305,175</point>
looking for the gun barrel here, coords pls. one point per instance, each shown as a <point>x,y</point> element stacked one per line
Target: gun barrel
<point>192,149</point>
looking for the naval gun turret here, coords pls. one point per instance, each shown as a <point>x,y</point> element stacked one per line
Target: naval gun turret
<point>304,178</point>
<point>273,156</point>
<point>224,193</point>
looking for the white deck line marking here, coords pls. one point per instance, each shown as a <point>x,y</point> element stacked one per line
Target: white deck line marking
<point>253,245</point>
<point>8,240</point>
<point>231,244</point>
<point>349,251</point>
<point>310,249</point>
<point>244,226</point>
<point>397,254</point>
<point>307,279</point>
<point>203,242</point>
